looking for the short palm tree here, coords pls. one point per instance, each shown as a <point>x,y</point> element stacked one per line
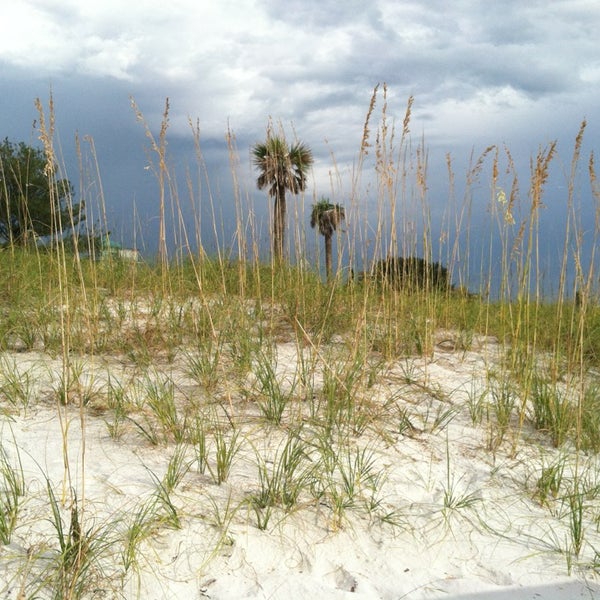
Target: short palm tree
<point>327,216</point>
<point>281,168</point>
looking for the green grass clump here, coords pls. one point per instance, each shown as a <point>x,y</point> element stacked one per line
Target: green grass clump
<point>553,411</point>
<point>12,492</point>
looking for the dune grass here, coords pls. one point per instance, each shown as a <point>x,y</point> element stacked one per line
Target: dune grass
<point>208,342</point>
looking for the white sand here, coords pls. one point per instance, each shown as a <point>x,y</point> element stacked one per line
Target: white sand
<point>504,546</point>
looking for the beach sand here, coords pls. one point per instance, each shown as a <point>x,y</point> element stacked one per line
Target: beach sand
<point>440,515</point>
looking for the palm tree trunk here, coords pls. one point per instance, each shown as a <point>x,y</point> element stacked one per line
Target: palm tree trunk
<point>328,239</point>
<point>279,225</point>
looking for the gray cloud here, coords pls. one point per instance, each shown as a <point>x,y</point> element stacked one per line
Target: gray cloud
<point>323,15</point>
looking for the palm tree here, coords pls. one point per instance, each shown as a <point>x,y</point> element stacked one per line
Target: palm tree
<point>282,168</point>
<point>327,216</point>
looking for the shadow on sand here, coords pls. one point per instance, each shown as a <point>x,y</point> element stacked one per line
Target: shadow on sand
<point>569,590</point>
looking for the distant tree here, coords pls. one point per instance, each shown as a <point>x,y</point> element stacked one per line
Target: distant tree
<point>33,203</point>
<point>412,273</point>
<point>327,216</point>
<point>281,168</point>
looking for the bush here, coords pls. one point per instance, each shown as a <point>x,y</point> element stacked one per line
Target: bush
<point>412,273</point>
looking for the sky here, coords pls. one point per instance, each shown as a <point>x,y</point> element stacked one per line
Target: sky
<point>512,73</point>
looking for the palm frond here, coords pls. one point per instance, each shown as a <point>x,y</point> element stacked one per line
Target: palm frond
<point>281,165</point>
<point>327,216</point>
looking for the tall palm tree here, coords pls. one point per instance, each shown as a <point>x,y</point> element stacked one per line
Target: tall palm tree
<point>281,168</point>
<point>327,216</point>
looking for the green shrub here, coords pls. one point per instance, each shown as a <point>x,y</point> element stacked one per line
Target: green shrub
<point>412,273</point>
